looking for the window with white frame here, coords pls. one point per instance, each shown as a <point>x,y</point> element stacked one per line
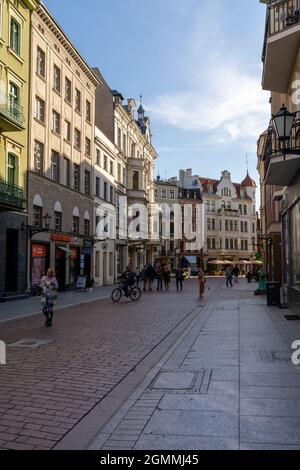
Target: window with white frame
<point>67,131</point>
<point>56,79</point>
<point>41,63</point>
<point>39,109</point>
<point>55,122</point>
<point>77,139</point>
<point>68,90</point>
<point>38,157</point>
<point>77,100</point>
<point>54,166</point>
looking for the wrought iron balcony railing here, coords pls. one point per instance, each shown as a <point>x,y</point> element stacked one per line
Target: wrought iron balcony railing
<point>281,15</point>
<point>11,195</point>
<point>10,109</point>
<point>273,146</point>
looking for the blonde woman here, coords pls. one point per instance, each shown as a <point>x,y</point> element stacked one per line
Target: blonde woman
<point>49,288</point>
<point>201,281</point>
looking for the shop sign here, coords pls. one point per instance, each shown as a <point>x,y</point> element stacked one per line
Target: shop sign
<point>61,238</point>
<point>38,251</point>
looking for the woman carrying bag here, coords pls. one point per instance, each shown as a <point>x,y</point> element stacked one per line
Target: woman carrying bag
<point>48,286</point>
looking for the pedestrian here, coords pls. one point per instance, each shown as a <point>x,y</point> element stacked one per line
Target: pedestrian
<point>249,276</point>
<point>144,277</point>
<point>48,286</point>
<point>159,277</point>
<point>150,275</point>
<point>138,276</point>
<point>201,281</point>
<point>179,274</point>
<point>229,277</point>
<point>166,277</point>
<point>236,273</point>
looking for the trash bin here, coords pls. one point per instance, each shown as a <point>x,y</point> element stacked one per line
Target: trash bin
<point>273,293</point>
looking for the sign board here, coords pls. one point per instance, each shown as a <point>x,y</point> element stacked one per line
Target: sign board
<point>81,282</point>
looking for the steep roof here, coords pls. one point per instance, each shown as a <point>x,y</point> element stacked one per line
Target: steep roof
<point>248,182</point>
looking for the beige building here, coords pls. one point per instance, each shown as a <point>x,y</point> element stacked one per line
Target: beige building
<point>62,148</point>
<point>133,140</point>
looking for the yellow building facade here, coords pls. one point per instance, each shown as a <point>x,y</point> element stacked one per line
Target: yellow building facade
<point>15,26</point>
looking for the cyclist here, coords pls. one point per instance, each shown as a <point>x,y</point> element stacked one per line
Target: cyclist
<point>128,279</point>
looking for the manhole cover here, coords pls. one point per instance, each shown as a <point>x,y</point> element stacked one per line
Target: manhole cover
<point>29,343</point>
<point>292,317</point>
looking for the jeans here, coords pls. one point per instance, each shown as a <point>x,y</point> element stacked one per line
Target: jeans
<point>229,280</point>
<point>48,310</point>
<point>179,283</point>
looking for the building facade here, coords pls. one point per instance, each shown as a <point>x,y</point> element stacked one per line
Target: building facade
<point>279,163</point>
<point>15,19</point>
<point>62,149</point>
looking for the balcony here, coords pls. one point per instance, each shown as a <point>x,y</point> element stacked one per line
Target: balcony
<point>11,115</point>
<point>281,168</point>
<point>11,197</point>
<point>281,44</point>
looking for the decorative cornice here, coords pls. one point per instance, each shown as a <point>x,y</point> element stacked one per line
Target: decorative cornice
<point>49,20</point>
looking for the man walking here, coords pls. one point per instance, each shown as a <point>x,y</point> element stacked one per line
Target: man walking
<point>229,277</point>
<point>179,278</point>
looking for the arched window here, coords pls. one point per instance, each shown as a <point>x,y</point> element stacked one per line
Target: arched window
<point>223,204</point>
<point>228,205</point>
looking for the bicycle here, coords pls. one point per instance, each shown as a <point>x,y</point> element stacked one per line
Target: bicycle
<point>134,293</point>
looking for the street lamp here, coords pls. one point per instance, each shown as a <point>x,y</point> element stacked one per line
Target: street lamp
<point>32,230</point>
<point>283,122</point>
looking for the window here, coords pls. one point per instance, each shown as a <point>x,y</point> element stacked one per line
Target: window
<point>163,193</point>
<point>38,157</point>
<point>223,204</point>
<point>235,225</point>
<point>58,221</point>
<point>112,168</point>
<point>135,183</point>
<point>12,170</point>
<point>15,36</point>
<point>208,244</point>
<point>41,63</point>
<point>227,244</point>
<point>111,194</point>
<point>14,99</point>
<point>77,139</point>
<point>245,210</point>
<point>240,208</point>
<point>68,90</point>
<point>231,225</point>
<point>77,101</point>
<point>231,244</point>
<point>172,193</point>
<point>124,144</point>
<point>75,228</point>
<point>226,225</point>
<point>119,172</point>
<point>98,157</point>
<point>119,138</point>
<point>246,227</point>
<point>39,109</point>
<point>207,206</point>
<point>68,131</point>
<point>86,227</point>
<point>66,175</point>
<point>55,122</point>
<point>88,111</point>
<point>246,245</point>
<point>76,176</point>
<point>105,162</point>
<point>87,146</point>
<point>228,205</point>
<point>235,244</point>
<point>208,224</point>
<point>87,179</point>
<point>242,226</point>
<point>54,166</point>
<point>155,193</point>
<point>213,206</point>
<point>213,243</point>
<point>56,79</point>
<point>209,189</point>
<point>97,186</point>
<point>105,191</point>
<point>37,216</point>
<point>213,224</point>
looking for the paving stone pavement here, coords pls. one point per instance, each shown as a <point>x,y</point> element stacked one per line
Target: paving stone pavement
<point>228,383</point>
<point>56,376</point>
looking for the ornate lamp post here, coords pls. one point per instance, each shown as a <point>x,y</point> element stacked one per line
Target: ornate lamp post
<point>283,122</point>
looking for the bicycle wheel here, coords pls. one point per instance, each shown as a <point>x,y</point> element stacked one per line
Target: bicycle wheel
<point>116,295</point>
<point>135,293</point>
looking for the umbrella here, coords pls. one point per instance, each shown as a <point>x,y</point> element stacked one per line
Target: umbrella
<point>215,262</point>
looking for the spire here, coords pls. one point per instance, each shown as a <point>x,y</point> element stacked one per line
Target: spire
<point>141,111</point>
<point>247,166</point>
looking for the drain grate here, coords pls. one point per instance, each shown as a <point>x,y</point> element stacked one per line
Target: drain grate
<point>292,317</point>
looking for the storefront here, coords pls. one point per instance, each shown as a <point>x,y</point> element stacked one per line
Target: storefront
<point>40,255</point>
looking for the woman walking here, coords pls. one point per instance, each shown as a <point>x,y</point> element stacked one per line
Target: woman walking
<point>201,281</point>
<point>49,288</point>
<point>166,277</point>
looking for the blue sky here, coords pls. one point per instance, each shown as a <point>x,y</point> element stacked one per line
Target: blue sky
<point>196,63</point>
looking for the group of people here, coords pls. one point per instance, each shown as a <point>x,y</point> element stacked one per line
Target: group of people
<point>159,274</point>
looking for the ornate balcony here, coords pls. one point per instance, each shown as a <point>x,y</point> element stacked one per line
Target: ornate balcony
<point>11,114</point>
<point>281,44</point>
<point>11,196</point>
<point>282,167</point>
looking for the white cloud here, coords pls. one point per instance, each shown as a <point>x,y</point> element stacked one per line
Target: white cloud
<point>221,92</point>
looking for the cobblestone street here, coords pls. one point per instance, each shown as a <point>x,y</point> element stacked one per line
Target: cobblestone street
<point>167,372</point>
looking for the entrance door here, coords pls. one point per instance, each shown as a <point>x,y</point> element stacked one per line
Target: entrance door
<point>60,268</point>
<point>11,260</point>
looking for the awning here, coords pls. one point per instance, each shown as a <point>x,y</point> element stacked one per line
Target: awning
<point>191,259</point>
